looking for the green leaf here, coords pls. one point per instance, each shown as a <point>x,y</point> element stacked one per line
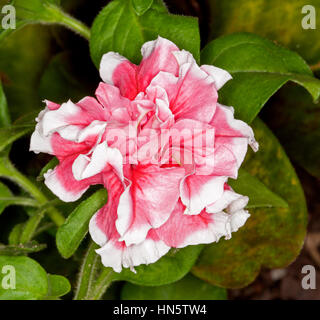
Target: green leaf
<point>297,126</point>
<point>259,195</point>
<point>188,288</point>
<point>8,135</point>
<point>259,68</point>
<point>272,237</point>
<point>57,286</point>
<point>141,6</point>
<point>21,249</point>
<point>170,268</point>
<point>35,10</point>
<point>4,112</point>
<point>279,21</point>
<point>17,63</point>
<point>118,28</point>
<point>72,232</point>
<point>27,276</point>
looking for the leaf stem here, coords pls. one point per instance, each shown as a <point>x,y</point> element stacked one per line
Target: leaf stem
<point>68,21</point>
<point>87,273</point>
<point>103,282</point>
<point>31,226</point>
<point>10,172</point>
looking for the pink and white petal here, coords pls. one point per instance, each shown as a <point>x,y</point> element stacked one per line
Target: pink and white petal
<point>226,147</point>
<point>148,202</point>
<point>230,201</point>
<point>183,230</point>
<point>157,56</point>
<point>226,163</point>
<point>101,159</point>
<point>102,225</point>
<point>120,72</point>
<point>64,148</point>
<point>117,107</point>
<point>63,184</point>
<point>226,125</point>
<point>196,96</point>
<point>51,105</point>
<point>91,110</point>
<point>116,254</point>
<point>219,76</point>
<point>54,120</point>
<point>197,192</point>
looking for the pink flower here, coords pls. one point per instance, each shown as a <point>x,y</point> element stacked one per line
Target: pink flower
<point>162,146</point>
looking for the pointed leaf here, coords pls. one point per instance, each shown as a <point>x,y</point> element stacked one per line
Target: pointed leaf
<point>72,232</point>
<point>259,195</point>
<point>28,277</point>
<point>259,68</point>
<point>57,286</point>
<point>118,28</point>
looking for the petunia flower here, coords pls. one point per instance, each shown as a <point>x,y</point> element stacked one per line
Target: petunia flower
<point>163,147</point>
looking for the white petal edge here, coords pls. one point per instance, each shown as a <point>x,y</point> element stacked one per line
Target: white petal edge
<point>149,251</point>
<point>109,62</point>
<point>219,76</point>
<point>53,183</point>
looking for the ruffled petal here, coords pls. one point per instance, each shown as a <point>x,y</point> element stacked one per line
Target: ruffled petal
<point>182,230</point>
<point>63,184</point>
<point>116,254</point>
<point>147,203</point>
<point>219,76</point>
<point>196,95</point>
<point>226,125</point>
<point>120,72</point>
<point>198,191</point>
<point>157,56</point>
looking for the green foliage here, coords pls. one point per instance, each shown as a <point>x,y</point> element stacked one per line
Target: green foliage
<point>141,6</point>
<point>279,21</point>
<point>21,249</point>
<point>297,125</point>
<point>259,68</point>
<point>170,268</point>
<point>57,286</point>
<point>36,10</point>
<point>16,63</point>
<point>272,237</point>
<point>259,195</point>
<point>72,232</point>
<point>188,288</point>
<point>29,279</point>
<point>4,112</point>
<point>118,28</point>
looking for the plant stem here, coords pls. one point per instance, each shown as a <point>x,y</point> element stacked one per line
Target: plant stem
<point>106,277</point>
<point>68,21</point>
<point>31,226</point>
<point>87,273</point>
<point>10,172</point>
